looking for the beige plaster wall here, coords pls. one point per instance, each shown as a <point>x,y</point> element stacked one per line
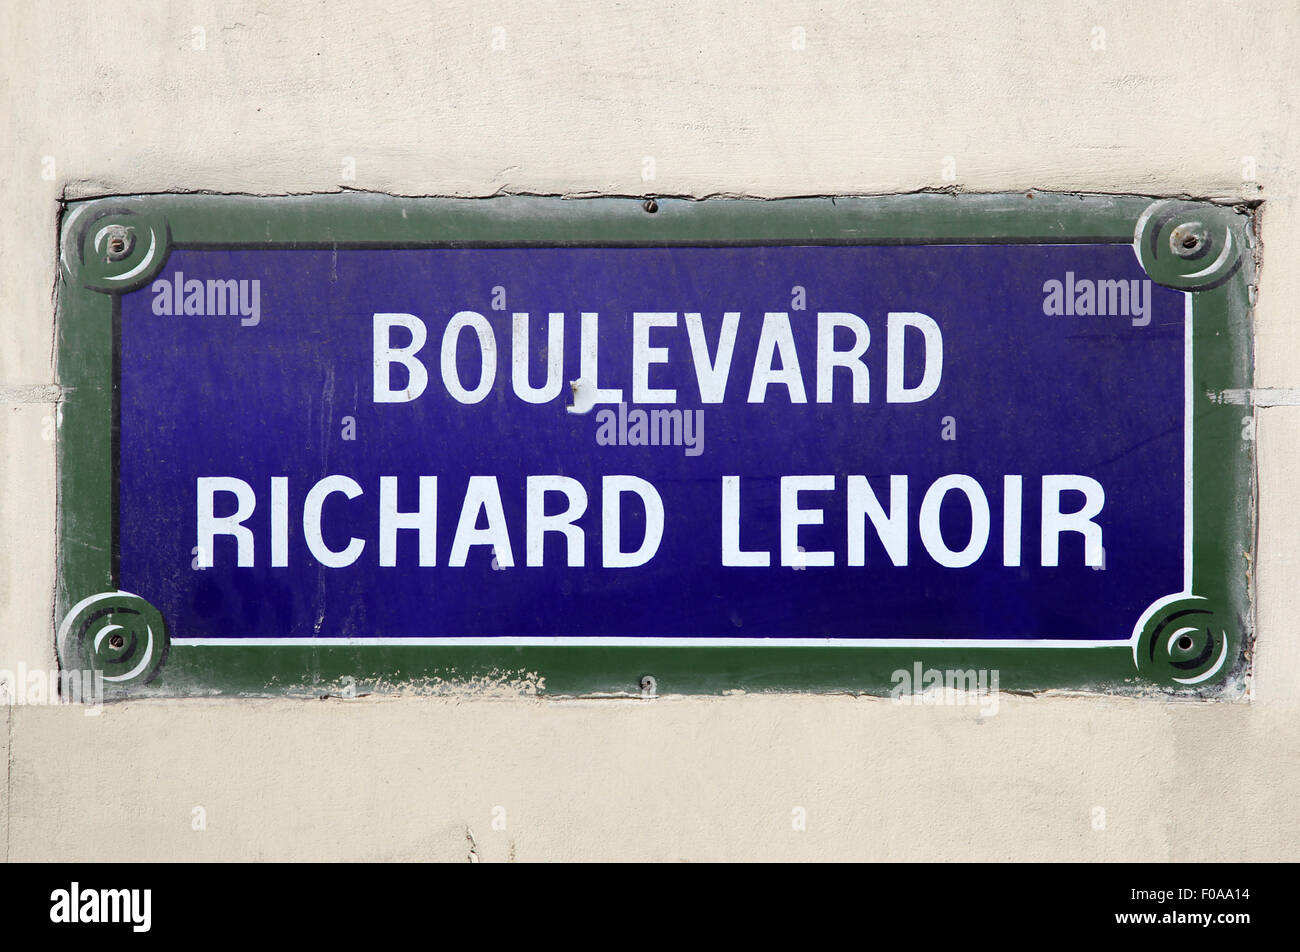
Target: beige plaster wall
<point>1196,98</point>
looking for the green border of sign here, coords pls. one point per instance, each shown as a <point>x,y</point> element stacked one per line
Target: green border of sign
<point>1197,642</point>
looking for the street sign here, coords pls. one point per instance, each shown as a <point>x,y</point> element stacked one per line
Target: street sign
<point>339,443</point>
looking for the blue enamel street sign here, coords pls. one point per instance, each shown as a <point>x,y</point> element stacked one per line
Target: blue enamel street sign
<point>383,441</point>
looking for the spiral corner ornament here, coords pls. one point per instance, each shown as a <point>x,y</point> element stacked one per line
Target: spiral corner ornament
<point>113,249</point>
<point>116,633</point>
<point>1189,246</point>
<point>1185,644</point>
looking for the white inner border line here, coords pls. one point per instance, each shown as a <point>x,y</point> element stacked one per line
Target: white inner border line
<point>603,641</point>
<point>608,641</point>
<point>1187,444</point>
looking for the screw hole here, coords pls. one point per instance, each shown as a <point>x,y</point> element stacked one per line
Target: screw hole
<point>1185,643</point>
<point>650,205</point>
<point>1190,242</point>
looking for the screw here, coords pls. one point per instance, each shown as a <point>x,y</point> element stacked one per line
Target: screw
<point>116,642</point>
<point>650,205</point>
<point>120,241</point>
<point>1189,239</point>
